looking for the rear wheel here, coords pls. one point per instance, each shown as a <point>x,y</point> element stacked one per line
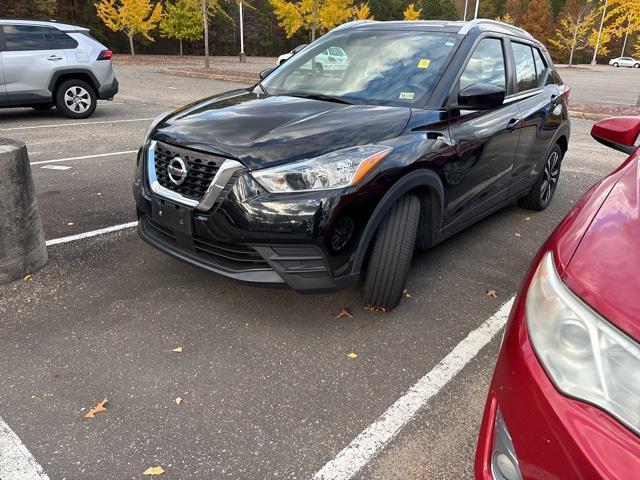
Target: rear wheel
<point>75,99</point>
<point>616,64</point>
<point>540,196</point>
<point>390,257</point>
<point>637,65</point>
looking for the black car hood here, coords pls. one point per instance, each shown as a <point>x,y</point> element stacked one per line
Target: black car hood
<point>261,130</point>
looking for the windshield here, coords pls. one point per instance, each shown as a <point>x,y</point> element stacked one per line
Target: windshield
<point>386,68</point>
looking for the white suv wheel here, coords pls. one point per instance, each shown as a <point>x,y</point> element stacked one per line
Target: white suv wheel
<point>77,99</point>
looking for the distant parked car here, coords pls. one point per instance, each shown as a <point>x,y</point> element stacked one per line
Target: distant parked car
<point>286,56</point>
<point>563,402</point>
<point>333,59</point>
<point>625,62</point>
<point>46,64</point>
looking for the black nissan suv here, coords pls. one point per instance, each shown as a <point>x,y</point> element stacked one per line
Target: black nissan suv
<point>324,174</point>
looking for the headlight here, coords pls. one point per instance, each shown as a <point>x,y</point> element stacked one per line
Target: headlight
<point>585,356</point>
<point>154,124</point>
<point>333,170</point>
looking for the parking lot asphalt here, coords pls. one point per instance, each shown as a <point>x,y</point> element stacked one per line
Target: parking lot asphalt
<point>602,84</point>
<point>268,388</point>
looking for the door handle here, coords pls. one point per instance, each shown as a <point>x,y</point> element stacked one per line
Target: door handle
<point>513,123</point>
<point>54,58</point>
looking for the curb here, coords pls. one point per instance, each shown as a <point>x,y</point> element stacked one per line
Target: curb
<point>589,116</point>
<point>248,80</point>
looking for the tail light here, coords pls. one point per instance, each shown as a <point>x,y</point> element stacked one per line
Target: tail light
<point>105,55</point>
<point>566,91</point>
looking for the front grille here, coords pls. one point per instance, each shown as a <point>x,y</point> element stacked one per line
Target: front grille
<point>201,168</point>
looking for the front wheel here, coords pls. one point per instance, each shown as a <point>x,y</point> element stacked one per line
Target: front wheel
<point>616,65</point>
<point>637,65</point>
<point>75,99</point>
<point>540,196</point>
<point>390,257</point>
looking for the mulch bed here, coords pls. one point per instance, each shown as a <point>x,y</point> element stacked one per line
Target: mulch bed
<point>214,74</point>
<point>608,109</point>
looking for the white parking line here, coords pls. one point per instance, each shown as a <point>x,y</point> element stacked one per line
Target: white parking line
<point>92,233</point>
<point>16,463</point>
<point>372,440</point>
<point>98,155</point>
<point>74,124</point>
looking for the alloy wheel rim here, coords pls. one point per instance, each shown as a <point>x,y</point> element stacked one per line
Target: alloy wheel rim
<point>77,99</point>
<point>550,177</point>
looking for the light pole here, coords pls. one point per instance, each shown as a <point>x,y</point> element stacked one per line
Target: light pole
<point>464,18</point>
<point>243,57</point>
<point>475,15</point>
<point>595,52</point>
<point>626,35</point>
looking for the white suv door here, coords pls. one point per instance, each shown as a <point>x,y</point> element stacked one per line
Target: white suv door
<point>29,58</point>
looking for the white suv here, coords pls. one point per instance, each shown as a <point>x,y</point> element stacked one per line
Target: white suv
<point>46,64</point>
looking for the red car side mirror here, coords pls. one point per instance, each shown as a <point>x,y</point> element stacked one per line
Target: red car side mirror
<point>619,133</point>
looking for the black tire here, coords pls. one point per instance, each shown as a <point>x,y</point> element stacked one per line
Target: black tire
<point>636,65</point>
<point>542,192</point>
<point>83,92</point>
<point>42,107</point>
<point>390,257</point>
<point>616,64</point>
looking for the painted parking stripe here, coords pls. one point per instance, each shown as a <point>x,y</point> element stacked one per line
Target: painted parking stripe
<point>57,167</point>
<point>98,155</point>
<point>92,233</point>
<point>16,462</point>
<point>74,124</point>
<point>372,440</point>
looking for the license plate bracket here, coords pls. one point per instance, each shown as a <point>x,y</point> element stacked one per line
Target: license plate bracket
<point>177,218</point>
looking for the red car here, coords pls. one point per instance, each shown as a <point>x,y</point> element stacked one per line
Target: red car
<point>564,402</point>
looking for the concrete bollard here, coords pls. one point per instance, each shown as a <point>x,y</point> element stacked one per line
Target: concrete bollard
<point>22,244</point>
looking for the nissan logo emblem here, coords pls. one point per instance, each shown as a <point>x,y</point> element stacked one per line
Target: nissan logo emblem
<point>177,170</point>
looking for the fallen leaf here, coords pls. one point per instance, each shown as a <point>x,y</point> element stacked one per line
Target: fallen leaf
<point>491,293</point>
<point>26,278</point>
<point>153,471</point>
<point>97,409</point>
<point>344,313</point>
<point>178,400</point>
<point>373,308</point>
<point>98,194</point>
<point>527,218</point>
<point>353,355</point>
<point>177,350</point>
<point>406,294</point>
<point>70,223</point>
<point>75,173</point>
<point>517,234</point>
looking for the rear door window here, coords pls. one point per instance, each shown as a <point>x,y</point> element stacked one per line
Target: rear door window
<point>486,65</point>
<point>541,65</point>
<point>27,37</point>
<point>526,77</point>
<point>61,39</point>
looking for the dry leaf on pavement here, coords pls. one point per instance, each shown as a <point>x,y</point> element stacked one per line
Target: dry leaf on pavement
<point>177,350</point>
<point>517,234</point>
<point>26,278</point>
<point>178,400</point>
<point>69,223</point>
<point>491,293</point>
<point>101,407</point>
<point>406,294</point>
<point>353,355</point>
<point>373,308</point>
<point>153,471</point>
<point>344,313</point>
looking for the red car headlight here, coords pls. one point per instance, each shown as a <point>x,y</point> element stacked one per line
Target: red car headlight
<point>585,356</point>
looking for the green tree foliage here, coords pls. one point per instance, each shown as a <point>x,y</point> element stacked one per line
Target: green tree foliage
<point>573,29</point>
<point>182,21</point>
<point>438,9</point>
<point>387,9</point>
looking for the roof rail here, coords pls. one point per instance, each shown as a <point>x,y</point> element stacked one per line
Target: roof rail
<point>487,22</point>
<point>352,23</point>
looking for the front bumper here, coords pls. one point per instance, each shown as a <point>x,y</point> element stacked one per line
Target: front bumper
<point>554,437</point>
<point>270,240</point>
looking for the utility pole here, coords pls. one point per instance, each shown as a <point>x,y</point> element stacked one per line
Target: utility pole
<point>626,35</point>
<point>205,21</point>
<point>475,15</point>
<point>243,57</point>
<point>595,52</point>
<point>464,18</point>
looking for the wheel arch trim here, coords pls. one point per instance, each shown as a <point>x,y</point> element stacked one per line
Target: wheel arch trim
<point>416,179</point>
<point>71,73</point>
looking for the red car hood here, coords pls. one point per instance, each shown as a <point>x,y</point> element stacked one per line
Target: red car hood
<point>605,269</point>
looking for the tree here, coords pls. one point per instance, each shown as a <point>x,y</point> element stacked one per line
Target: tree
<point>181,21</point>
<point>537,21</point>
<point>411,13</point>
<point>574,28</point>
<point>387,9</point>
<point>362,12</point>
<point>517,10</point>
<point>622,19</point>
<point>133,17</point>
<point>209,8</point>
<point>438,10</point>
<point>506,18</point>
<point>312,15</point>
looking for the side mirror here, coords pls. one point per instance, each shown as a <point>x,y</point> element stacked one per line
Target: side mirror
<point>619,133</point>
<point>481,96</point>
<point>266,72</point>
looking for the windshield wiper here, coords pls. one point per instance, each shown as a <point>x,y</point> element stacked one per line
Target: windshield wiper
<point>320,96</point>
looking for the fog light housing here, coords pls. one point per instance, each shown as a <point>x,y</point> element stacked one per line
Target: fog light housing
<point>504,463</point>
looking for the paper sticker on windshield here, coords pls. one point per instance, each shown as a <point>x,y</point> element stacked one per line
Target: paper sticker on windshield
<point>406,95</point>
<point>424,63</point>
